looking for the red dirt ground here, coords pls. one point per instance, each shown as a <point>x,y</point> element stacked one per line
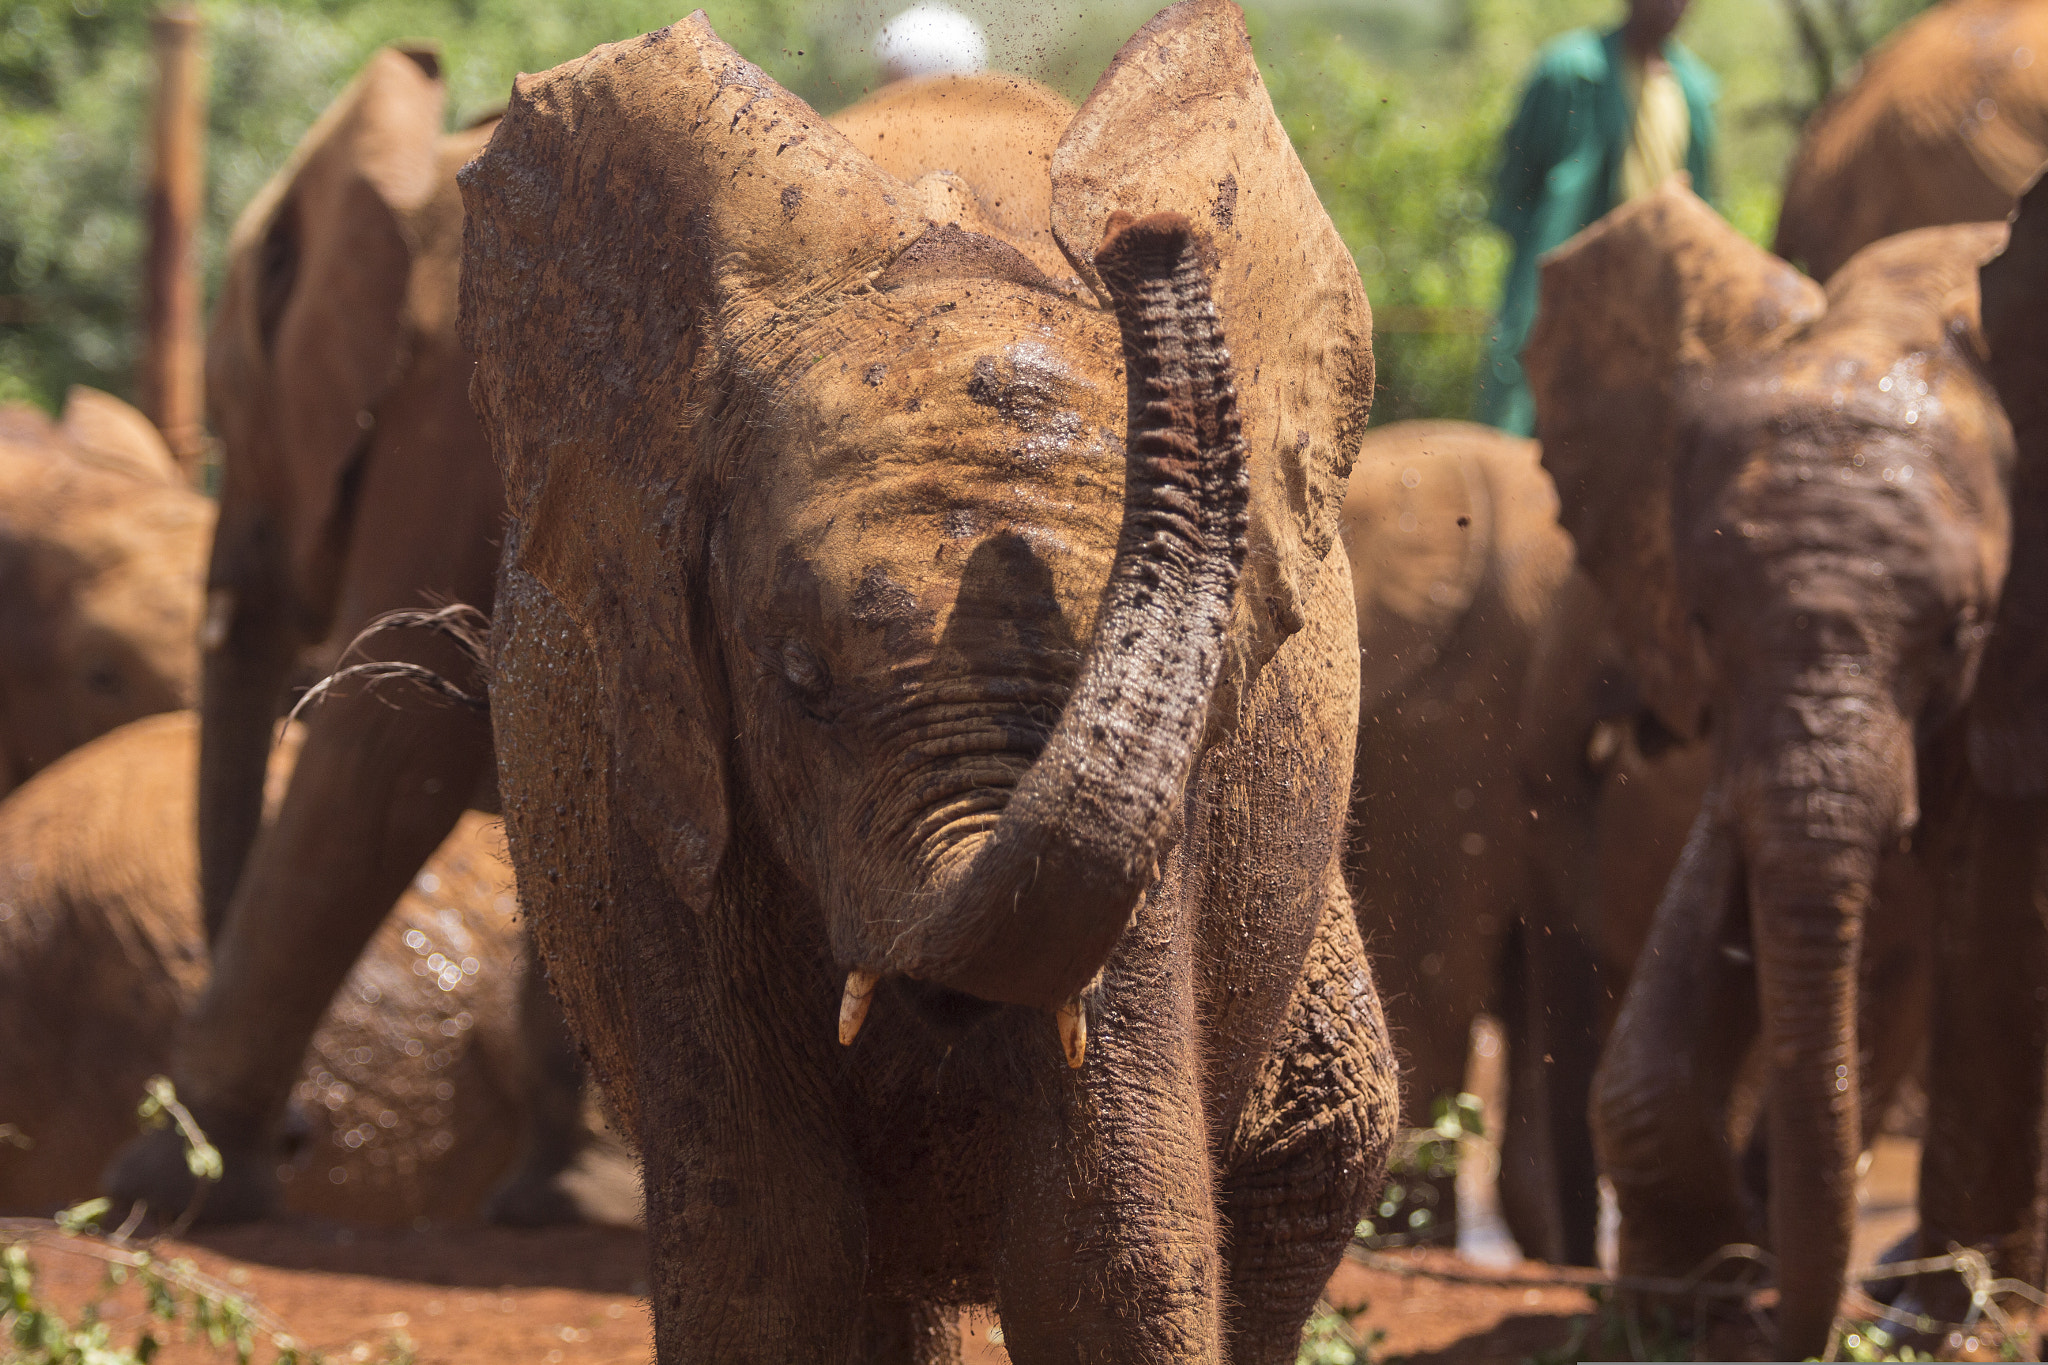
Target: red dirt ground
<point>468,1295</point>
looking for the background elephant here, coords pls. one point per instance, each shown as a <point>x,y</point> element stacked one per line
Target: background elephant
<point>1456,556</point>
<point>1947,123</point>
<point>1515,810</point>
<point>1795,505</point>
<point>406,1106</point>
<point>355,483</point>
<point>1981,1166</point>
<point>811,700</point>
<point>1610,794</point>
<point>101,556</point>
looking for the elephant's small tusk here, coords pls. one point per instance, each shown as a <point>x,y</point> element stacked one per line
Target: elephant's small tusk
<point>1072,1018</point>
<point>220,617</point>
<point>853,1005</point>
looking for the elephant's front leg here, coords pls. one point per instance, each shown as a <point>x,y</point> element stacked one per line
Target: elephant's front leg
<point>1661,1096</point>
<point>385,772</point>
<point>1311,1148</point>
<point>754,1219</point>
<point>1110,1239</point>
<point>1980,1167</point>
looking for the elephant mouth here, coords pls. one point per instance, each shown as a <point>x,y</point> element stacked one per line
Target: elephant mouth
<point>947,1015</point>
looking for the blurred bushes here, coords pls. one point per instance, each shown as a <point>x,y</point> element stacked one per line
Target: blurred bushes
<point>1394,105</point>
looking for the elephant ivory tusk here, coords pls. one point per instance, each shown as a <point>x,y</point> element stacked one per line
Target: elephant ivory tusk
<point>853,1005</point>
<point>1072,1018</point>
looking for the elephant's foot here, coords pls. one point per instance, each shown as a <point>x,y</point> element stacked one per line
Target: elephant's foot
<point>152,1171</point>
<point>527,1199</point>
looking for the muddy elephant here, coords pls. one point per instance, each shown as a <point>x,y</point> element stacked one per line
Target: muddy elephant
<point>1947,123</point>
<point>101,559</point>
<point>408,1103</point>
<point>925,694</point>
<point>1456,556</point>
<point>1981,1166</point>
<point>355,483</point>
<point>1795,504</point>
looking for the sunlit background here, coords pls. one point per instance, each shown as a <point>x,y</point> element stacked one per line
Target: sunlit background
<point>1395,105</point>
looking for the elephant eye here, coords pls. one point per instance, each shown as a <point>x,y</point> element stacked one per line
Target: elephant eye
<point>801,668</point>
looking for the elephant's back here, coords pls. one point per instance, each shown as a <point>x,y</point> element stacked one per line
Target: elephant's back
<point>104,571</point>
<point>1418,525</point>
<point>1948,122</point>
<point>404,1108</point>
<point>997,133</point>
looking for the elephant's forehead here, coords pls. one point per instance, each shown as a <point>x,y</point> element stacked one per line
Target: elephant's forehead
<point>941,422</point>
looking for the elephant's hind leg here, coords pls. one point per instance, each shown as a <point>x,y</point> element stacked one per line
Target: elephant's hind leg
<point>1312,1147</point>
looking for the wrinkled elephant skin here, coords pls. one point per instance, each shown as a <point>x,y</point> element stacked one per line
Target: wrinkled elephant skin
<point>1456,559</point>
<point>355,483</point>
<point>1795,504</point>
<point>407,1103</point>
<point>926,689</point>
<point>101,558</point>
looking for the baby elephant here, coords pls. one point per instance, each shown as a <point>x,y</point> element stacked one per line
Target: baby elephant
<point>102,553</point>
<point>410,1101</point>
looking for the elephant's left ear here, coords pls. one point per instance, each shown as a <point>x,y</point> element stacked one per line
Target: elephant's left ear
<point>2009,715</point>
<point>1181,121</point>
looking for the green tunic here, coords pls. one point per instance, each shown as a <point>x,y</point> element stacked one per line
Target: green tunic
<point>1560,160</point>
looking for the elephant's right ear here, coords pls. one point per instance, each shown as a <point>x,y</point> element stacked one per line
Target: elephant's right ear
<point>310,331</point>
<point>647,226</point>
<point>2009,712</point>
<point>1632,309</point>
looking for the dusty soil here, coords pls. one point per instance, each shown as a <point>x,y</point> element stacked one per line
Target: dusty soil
<point>466,1295</point>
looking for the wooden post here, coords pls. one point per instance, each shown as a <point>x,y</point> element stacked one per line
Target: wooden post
<point>172,383</point>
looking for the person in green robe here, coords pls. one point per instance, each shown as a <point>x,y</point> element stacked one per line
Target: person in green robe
<point>1605,117</point>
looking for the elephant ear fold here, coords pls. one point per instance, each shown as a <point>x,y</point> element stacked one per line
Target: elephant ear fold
<point>1633,310</point>
<point>309,333</point>
<point>1181,121</point>
<point>646,225</point>
<point>2009,713</point>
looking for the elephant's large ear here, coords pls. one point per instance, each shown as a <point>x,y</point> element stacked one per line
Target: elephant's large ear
<point>309,332</point>
<point>2009,714</point>
<point>1633,309</point>
<point>1956,95</point>
<point>645,224</point>
<point>1181,121</point>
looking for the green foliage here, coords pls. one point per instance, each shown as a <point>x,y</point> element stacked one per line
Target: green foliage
<point>1865,1341</point>
<point>174,1297</point>
<point>1620,1330</point>
<point>160,1106</point>
<point>1396,106</point>
<point>1422,1176</point>
<point>1327,1338</point>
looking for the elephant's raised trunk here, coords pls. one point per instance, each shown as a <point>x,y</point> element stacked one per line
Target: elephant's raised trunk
<point>1034,914</point>
<point>1827,800</point>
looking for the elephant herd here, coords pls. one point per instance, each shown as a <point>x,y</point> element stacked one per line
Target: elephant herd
<point>978,726</point>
